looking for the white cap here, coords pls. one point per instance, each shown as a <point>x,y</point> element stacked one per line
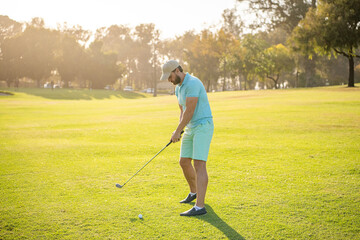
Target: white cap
<point>167,68</point>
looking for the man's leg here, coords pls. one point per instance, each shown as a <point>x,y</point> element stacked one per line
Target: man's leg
<point>189,173</point>
<point>201,145</point>
<point>201,182</point>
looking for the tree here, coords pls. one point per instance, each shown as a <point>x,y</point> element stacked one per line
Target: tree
<point>251,48</point>
<point>332,28</point>
<point>284,14</point>
<point>8,28</point>
<point>179,47</point>
<point>232,23</point>
<point>146,36</point>
<point>101,69</point>
<point>70,59</point>
<point>155,49</point>
<point>10,56</point>
<point>11,63</point>
<point>203,58</point>
<point>226,44</point>
<point>236,63</point>
<point>77,32</point>
<point>118,38</point>
<point>38,46</point>
<point>274,62</point>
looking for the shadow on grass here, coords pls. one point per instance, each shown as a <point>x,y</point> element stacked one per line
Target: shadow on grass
<point>212,218</point>
<point>5,93</point>
<point>77,94</point>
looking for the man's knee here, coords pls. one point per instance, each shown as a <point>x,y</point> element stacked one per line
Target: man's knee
<point>185,162</point>
<point>199,165</point>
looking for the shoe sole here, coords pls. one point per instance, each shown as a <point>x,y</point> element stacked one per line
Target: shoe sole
<point>193,215</point>
<point>187,201</point>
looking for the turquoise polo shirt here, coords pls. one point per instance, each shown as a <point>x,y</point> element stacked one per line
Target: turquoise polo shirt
<point>193,87</point>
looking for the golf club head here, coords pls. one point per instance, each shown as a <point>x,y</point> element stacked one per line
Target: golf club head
<point>118,185</point>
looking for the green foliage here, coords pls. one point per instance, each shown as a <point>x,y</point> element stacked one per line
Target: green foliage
<point>341,22</point>
<point>11,60</point>
<point>70,59</point>
<point>232,23</point>
<point>8,28</point>
<point>203,57</point>
<point>284,14</point>
<point>252,48</point>
<point>101,68</point>
<point>275,61</point>
<point>326,28</point>
<point>227,44</point>
<point>223,58</point>
<point>332,28</point>
<point>137,51</point>
<point>37,52</point>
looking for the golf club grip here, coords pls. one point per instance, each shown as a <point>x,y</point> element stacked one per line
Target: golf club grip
<point>171,141</point>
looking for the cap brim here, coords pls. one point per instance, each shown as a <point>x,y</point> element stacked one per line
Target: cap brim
<point>164,76</point>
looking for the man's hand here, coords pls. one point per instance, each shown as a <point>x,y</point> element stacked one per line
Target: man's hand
<point>176,136</point>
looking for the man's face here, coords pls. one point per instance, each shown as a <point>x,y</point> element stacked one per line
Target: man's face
<point>174,79</point>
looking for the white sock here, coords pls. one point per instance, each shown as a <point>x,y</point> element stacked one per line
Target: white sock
<point>197,208</point>
<point>192,194</point>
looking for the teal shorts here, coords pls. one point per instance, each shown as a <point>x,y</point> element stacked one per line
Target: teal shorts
<point>196,141</point>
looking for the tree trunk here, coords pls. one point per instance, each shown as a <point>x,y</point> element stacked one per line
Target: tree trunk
<point>313,3</point>
<point>274,80</point>
<point>155,82</point>
<point>239,82</point>
<point>310,71</point>
<point>8,83</point>
<point>154,67</point>
<point>66,83</point>
<point>224,83</point>
<point>245,80</point>
<point>297,79</point>
<point>351,70</point>
<point>208,84</point>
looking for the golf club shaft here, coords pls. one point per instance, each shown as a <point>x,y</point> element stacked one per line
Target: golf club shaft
<point>150,160</point>
<point>147,163</point>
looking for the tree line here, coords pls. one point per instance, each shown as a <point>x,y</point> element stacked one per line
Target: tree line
<point>293,43</point>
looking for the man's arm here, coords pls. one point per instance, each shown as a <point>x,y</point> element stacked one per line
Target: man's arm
<point>185,117</point>
<point>181,112</point>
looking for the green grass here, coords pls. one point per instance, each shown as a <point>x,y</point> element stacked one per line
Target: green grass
<point>284,164</point>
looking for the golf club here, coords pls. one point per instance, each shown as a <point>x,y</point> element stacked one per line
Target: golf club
<point>120,186</point>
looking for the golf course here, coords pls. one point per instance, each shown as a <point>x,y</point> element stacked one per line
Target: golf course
<point>283,164</point>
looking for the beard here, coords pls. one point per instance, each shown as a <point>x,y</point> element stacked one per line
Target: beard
<point>177,80</point>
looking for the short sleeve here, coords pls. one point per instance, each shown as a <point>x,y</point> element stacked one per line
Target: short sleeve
<point>193,90</point>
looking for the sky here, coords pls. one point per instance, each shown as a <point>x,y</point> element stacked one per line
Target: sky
<point>172,18</point>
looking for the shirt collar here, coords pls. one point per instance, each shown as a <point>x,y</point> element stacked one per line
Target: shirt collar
<point>186,78</point>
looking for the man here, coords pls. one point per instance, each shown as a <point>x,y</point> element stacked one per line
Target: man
<point>195,115</point>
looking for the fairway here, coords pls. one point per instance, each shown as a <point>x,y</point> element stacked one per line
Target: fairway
<point>284,164</point>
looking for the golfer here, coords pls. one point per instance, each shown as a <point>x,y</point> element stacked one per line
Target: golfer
<point>196,118</point>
